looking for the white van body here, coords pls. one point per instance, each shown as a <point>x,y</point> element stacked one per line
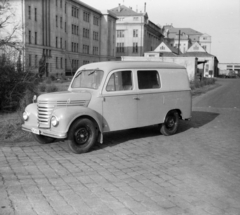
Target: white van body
<point>110,96</point>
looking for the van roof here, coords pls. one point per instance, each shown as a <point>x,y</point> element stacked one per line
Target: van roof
<point>110,65</point>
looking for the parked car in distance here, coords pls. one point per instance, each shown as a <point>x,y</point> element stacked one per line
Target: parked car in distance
<point>110,96</point>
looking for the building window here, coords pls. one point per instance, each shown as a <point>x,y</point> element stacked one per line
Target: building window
<point>65,7</point>
<point>29,37</point>
<point>35,38</point>
<point>135,32</point>
<point>56,62</point>
<point>56,21</point>
<point>95,35</point>
<point>75,12</point>
<point>65,44</point>
<point>30,60</point>
<point>85,49</point>
<point>162,48</point>
<point>60,3</point>
<point>120,47</point>
<point>61,43</point>
<point>61,63</point>
<point>120,33</point>
<point>29,12</point>
<point>74,47</point>
<point>95,20</point>
<point>60,22</point>
<point>95,50</point>
<point>85,32</point>
<point>56,3</point>
<point>66,27</point>
<point>56,42</point>
<point>86,16</point>
<point>35,14</point>
<point>75,29</point>
<point>36,61</point>
<point>135,47</point>
<point>65,63</point>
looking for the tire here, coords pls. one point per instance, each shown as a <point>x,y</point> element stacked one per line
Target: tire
<point>82,136</point>
<point>43,139</point>
<point>170,125</point>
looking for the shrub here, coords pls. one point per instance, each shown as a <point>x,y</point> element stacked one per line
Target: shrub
<point>14,86</point>
<point>52,77</point>
<point>51,88</point>
<point>48,81</point>
<point>42,87</point>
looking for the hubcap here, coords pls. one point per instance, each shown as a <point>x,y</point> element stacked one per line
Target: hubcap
<point>82,135</point>
<point>170,122</point>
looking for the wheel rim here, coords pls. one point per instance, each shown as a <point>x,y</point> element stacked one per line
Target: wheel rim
<point>82,135</point>
<point>170,122</point>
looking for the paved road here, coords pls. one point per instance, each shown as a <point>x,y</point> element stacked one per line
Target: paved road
<point>196,171</point>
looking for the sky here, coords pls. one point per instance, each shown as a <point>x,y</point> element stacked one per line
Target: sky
<point>218,18</point>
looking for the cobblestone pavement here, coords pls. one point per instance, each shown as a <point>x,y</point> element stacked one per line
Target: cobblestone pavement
<point>195,172</point>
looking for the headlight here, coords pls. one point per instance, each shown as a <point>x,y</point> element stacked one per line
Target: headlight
<point>25,116</point>
<point>54,121</point>
<point>34,99</point>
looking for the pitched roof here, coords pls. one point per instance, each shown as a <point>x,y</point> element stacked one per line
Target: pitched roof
<point>188,31</point>
<point>196,54</point>
<point>122,10</point>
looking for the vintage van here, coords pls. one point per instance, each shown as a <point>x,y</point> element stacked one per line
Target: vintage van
<point>110,96</point>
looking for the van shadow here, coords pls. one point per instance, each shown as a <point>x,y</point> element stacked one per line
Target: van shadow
<point>198,120</point>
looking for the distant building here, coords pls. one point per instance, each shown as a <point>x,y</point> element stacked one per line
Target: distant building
<point>235,67</point>
<point>207,63</point>
<point>188,37</point>
<point>135,33</point>
<point>61,35</point>
<point>163,50</point>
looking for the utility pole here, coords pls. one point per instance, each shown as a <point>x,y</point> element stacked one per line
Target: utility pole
<point>179,41</point>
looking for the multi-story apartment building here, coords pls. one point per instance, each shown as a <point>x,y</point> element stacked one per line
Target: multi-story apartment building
<point>65,34</point>
<point>135,33</point>
<point>184,38</point>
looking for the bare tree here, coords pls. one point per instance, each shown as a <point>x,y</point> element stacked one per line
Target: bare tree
<point>9,26</point>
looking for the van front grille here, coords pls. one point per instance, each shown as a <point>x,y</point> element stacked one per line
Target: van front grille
<point>45,109</point>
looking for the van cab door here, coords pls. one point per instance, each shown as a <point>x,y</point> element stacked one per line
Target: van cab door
<point>119,101</point>
<point>150,103</point>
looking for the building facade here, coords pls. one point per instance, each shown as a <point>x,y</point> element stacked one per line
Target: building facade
<point>61,35</point>
<point>135,33</point>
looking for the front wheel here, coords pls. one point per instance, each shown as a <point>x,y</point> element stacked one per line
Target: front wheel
<point>42,139</point>
<point>82,136</point>
<point>170,125</point>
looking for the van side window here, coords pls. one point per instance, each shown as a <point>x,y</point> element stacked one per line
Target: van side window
<point>148,79</point>
<point>120,81</point>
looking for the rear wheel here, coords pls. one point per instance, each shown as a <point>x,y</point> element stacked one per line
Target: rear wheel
<point>82,136</point>
<point>170,125</point>
<point>43,139</point>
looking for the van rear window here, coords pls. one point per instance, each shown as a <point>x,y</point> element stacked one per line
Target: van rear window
<point>148,79</point>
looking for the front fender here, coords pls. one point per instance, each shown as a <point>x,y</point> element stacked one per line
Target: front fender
<point>32,121</point>
<point>67,115</point>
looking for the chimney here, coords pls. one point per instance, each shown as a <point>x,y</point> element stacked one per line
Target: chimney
<point>145,5</point>
<point>119,8</point>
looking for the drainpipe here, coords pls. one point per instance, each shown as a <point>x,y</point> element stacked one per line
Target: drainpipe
<point>179,42</point>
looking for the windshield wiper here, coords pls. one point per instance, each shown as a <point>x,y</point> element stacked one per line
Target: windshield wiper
<point>93,72</point>
<point>80,72</point>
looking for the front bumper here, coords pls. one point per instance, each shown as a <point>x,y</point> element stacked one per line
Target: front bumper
<point>45,132</point>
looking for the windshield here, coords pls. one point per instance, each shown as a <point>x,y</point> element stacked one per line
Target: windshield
<point>88,79</point>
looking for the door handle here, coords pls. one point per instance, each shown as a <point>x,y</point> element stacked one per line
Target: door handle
<point>136,98</point>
